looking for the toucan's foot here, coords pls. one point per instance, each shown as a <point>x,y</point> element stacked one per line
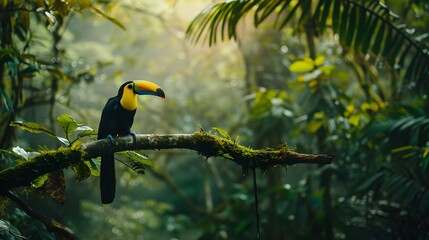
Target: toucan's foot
<point>111,139</point>
<point>134,137</point>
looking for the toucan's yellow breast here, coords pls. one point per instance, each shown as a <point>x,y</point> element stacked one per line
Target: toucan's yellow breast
<point>129,99</point>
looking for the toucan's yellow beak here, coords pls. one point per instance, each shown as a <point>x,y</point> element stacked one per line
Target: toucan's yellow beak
<point>143,87</point>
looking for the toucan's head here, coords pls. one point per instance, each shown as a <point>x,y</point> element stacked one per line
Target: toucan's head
<point>129,90</point>
<point>141,87</point>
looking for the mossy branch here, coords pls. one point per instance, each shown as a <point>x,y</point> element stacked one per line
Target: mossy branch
<point>205,144</point>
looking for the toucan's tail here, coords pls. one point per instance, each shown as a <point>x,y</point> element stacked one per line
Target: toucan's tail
<point>107,178</point>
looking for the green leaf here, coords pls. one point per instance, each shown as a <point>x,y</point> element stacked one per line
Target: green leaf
<point>402,55</point>
<point>314,125</point>
<point>39,181</point>
<point>404,148</point>
<point>82,171</point>
<point>305,10</point>
<point>290,15</point>
<point>94,166</point>
<point>222,132</point>
<point>87,133</point>
<point>3,226</point>
<point>360,29</point>
<point>281,11</point>
<point>343,25</point>
<point>371,182</point>
<point>32,127</point>
<point>111,19</point>
<point>67,123</point>
<point>20,152</point>
<point>325,14</point>
<point>6,100</point>
<point>370,31</point>
<point>425,159</point>
<point>379,39</point>
<point>301,66</point>
<point>55,186</point>
<point>336,15</point>
<point>388,43</point>
<point>396,42</point>
<point>267,8</point>
<point>64,141</point>
<point>352,28</point>
<point>242,226</point>
<point>18,157</point>
<point>76,144</point>
<point>424,202</point>
<point>136,161</point>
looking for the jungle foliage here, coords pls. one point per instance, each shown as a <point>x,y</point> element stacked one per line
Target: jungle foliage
<point>346,77</point>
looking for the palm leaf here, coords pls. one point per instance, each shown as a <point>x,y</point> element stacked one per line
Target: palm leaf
<point>365,26</point>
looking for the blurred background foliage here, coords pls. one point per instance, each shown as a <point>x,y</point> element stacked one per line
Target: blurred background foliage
<point>331,76</point>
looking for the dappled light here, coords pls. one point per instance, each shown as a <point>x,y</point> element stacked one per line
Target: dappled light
<point>263,119</point>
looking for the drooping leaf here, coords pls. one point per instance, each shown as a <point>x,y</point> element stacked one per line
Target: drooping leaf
<point>6,100</point>
<point>336,15</point>
<point>39,181</point>
<point>136,161</point>
<point>343,24</point>
<point>67,123</point>
<point>55,186</point>
<point>397,42</point>
<point>111,19</point>
<point>424,202</point>
<point>379,39</point>
<point>387,48</point>
<point>82,171</point>
<point>94,166</point>
<point>32,127</point>
<point>371,182</point>
<point>360,29</point>
<point>266,7</point>
<point>290,15</point>
<point>305,7</point>
<point>351,28</point>
<point>325,14</point>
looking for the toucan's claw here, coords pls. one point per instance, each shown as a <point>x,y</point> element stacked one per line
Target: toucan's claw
<point>111,139</point>
<point>134,137</point>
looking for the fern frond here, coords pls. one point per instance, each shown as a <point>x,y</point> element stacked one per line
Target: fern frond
<point>366,27</point>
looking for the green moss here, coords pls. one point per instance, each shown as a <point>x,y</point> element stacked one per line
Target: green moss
<point>214,146</point>
<point>48,161</point>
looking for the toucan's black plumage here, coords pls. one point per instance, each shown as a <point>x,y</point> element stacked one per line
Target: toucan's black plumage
<point>116,120</point>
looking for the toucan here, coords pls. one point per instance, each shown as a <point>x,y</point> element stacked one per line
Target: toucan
<point>116,120</point>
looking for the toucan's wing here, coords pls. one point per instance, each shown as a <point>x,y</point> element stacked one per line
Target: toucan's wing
<point>108,124</point>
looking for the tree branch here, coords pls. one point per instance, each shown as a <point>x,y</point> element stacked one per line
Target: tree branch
<point>60,231</point>
<point>205,144</point>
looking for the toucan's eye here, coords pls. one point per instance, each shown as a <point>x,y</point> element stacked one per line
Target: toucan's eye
<point>130,86</point>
